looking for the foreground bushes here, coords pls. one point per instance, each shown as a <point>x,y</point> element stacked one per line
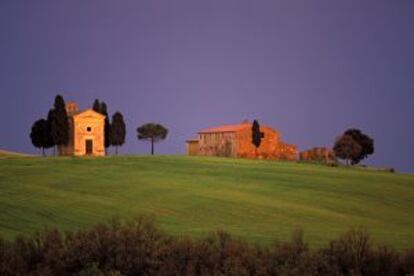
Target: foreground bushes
<point>140,248</point>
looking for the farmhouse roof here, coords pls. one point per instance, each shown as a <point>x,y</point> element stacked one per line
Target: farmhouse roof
<point>227,128</point>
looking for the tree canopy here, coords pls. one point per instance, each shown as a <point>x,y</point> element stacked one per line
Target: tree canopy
<point>366,143</point>
<point>118,131</point>
<point>96,106</point>
<point>153,133</point>
<point>102,108</point>
<point>39,134</point>
<point>353,145</point>
<point>50,117</point>
<point>60,124</point>
<point>347,148</point>
<point>104,111</point>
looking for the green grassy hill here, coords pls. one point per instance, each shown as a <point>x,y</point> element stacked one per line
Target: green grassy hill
<point>6,153</point>
<point>257,200</point>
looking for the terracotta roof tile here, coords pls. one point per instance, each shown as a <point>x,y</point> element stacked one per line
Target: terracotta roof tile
<point>226,128</point>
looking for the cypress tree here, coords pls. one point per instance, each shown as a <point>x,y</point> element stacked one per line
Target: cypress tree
<point>60,123</point>
<point>118,131</point>
<point>96,106</point>
<point>49,141</point>
<point>256,135</point>
<point>107,129</point>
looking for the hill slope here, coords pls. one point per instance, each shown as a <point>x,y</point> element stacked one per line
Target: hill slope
<point>6,153</point>
<point>257,200</point>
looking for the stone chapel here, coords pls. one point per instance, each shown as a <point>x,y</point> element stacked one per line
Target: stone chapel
<point>86,132</point>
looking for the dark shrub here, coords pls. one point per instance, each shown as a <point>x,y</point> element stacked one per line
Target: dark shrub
<point>131,248</point>
<point>291,258</point>
<point>385,261</point>
<point>350,254</point>
<point>408,262</point>
<point>138,247</point>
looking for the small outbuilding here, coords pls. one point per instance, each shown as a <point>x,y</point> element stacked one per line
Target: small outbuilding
<point>192,146</point>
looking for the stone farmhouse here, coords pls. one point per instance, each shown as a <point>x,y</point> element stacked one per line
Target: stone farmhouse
<point>235,141</point>
<point>86,132</point>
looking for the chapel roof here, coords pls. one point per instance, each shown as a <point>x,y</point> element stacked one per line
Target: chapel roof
<point>87,110</point>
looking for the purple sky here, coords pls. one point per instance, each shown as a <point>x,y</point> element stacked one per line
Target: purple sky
<point>311,69</point>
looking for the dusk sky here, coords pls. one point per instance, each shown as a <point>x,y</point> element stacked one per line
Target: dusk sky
<point>309,68</point>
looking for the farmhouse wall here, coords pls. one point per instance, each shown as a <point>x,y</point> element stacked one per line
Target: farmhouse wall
<point>236,141</point>
<point>269,146</point>
<point>192,147</point>
<point>217,144</point>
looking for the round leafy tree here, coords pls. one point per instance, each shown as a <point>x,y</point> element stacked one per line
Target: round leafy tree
<point>152,133</point>
<point>347,148</point>
<point>366,143</point>
<point>39,135</point>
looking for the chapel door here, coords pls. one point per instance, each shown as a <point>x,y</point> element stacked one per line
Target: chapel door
<point>88,147</point>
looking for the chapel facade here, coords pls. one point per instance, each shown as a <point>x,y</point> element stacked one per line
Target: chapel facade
<point>236,141</point>
<point>86,132</point>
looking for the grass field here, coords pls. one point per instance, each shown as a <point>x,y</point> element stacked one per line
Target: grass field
<point>257,200</point>
<point>6,154</point>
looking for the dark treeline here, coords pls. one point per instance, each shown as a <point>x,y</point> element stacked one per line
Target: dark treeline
<point>52,131</point>
<point>138,247</point>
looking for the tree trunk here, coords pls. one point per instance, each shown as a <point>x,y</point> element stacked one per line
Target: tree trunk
<point>152,146</point>
<point>43,152</point>
<point>54,150</point>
